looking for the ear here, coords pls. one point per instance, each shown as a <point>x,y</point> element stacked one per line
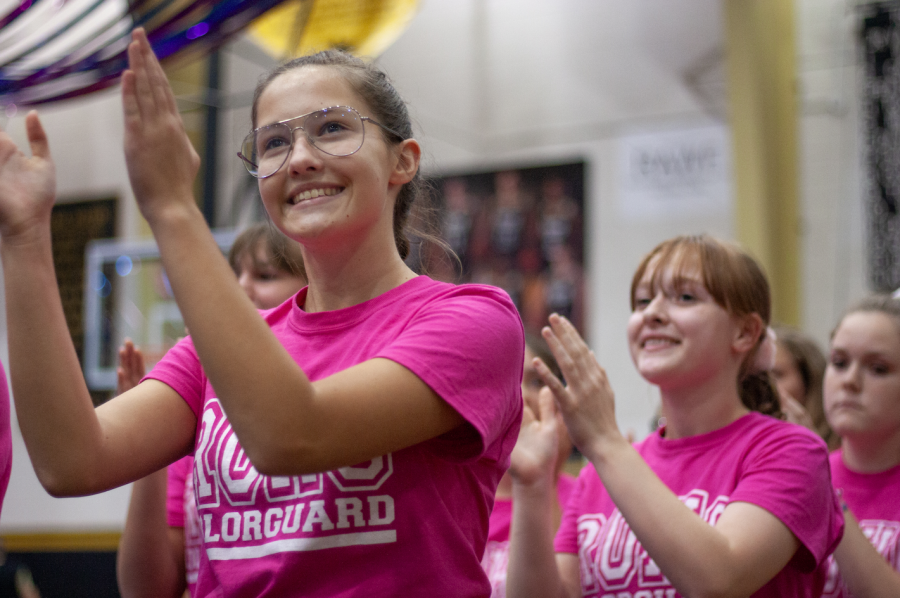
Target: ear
<point>408,153</point>
<point>750,329</point>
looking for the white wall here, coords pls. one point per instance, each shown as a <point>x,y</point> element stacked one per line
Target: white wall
<point>526,82</point>
<point>522,83</point>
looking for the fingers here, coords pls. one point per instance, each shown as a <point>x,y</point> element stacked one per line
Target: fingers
<point>131,366</point>
<point>37,137</point>
<point>129,96</point>
<point>162,91</point>
<point>142,92</point>
<point>549,378</point>
<point>153,88</point>
<point>547,405</point>
<point>571,347</point>
<point>577,362</point>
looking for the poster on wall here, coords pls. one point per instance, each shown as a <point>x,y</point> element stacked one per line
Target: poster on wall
<point>880,39</point>
<point>519,229</point>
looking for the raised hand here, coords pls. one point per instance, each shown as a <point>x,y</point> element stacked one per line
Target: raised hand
<point>131,367</point>
<point>586,401</point>
<point>162,163</point>
<point>534,456</point>
<point>27,184</point>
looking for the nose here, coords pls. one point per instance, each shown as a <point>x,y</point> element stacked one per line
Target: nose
<point>851,378</point>
<point>304,156</point>
<point>655,310</point>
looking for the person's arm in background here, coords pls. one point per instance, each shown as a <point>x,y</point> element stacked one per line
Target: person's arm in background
<point>150,561</point>
<point>865,572</point>
<point>534,569</point>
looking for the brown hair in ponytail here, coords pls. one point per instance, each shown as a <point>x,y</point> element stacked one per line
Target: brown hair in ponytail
<point>389,109</point>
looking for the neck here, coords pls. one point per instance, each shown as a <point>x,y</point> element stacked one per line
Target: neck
<point>700,408</point>
<point>870,453</point>
<point>342,275</point>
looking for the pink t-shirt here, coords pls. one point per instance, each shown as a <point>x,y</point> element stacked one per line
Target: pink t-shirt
<point>5,436</point>
<point>874,499</point>
<point>775,465</point>
<point>412,522</point>
<point>496,554</point>
<point>181,511</point>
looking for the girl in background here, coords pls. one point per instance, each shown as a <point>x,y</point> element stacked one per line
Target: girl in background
<point>862,402</point>
<point>159,552</point>
<point>798,372</point>
<point>496,554</point>
<point>344,439</point>
<point>724,500</point>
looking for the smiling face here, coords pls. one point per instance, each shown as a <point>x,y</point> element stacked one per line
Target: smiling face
<point>862,380</point>
<point>317,198</point>
<point>677,334</point>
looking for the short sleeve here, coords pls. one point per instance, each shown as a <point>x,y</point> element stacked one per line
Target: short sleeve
<point>789,476</point>
<point>468,346</point>
<point>180,369</point>
<point>177,474</point>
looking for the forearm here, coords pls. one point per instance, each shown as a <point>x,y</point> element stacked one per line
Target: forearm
<point>265,394</point>
<point>697,558</point>
<point>532,570</point>
<point>53,406</point>
<point>866,573</point>
<point>147,563</point>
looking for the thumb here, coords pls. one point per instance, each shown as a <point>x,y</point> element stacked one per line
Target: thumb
<point>546,405</point>
<point>37,138</point>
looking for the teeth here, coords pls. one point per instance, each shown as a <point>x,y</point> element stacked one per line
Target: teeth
<point>656,342</point>
<point>314,193</point>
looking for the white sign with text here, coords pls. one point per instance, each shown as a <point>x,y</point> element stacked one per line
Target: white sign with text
<point>675,173</point>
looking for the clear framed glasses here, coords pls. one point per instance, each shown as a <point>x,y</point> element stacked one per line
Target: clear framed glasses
<point>337,131</point>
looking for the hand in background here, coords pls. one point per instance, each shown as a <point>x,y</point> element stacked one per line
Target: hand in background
<point>587,401</point>
<point>534,456</point>
<point>131,367</point>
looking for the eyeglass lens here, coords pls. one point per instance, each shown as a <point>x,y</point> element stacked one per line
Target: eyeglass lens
<point>336,131</point>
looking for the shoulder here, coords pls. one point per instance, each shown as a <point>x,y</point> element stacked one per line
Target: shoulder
<point>763,431</point>
<point>471,308</point>
<point>428,290</point>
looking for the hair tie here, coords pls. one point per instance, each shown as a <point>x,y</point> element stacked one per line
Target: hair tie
<point>765,355</point>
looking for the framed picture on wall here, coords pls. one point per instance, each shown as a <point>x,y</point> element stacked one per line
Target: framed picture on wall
<point>127,295</point>
<point>519,229</point>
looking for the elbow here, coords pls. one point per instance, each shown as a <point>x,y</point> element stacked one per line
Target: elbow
<point>57,487</point>
<point>281,461</point>
<point>61,485</point>
<point>708,592</point>
<point>715,586</point>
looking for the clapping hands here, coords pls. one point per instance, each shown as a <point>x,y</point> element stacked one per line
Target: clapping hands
<point>586,400</point>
